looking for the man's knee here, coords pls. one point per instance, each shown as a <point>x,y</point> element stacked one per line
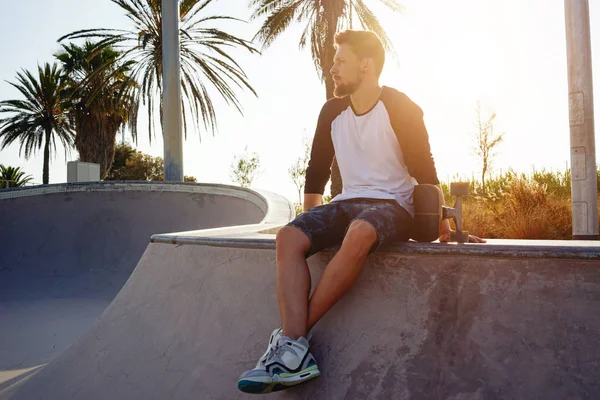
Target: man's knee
<point>291,239</point>
<point>360,237</point>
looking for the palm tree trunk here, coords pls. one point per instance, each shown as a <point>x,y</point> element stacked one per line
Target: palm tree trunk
<point>46,168</point>
<point>96,139</point>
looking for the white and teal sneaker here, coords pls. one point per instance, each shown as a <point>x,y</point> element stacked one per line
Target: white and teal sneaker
<point>287,363</point>
<point>273,341</point>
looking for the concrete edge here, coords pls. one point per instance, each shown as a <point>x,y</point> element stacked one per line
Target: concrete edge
<point>262,236</point>
<point>278,211</point>
<point>276,208</point>
<point>14,383</point>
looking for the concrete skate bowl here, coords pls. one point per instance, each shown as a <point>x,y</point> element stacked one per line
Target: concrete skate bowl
<point>68,249</point>
<point>502,320</point>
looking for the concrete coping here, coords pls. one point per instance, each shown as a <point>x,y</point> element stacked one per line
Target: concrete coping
<point>262,236</point>
<point>276,208</point>
<point>279,211</point>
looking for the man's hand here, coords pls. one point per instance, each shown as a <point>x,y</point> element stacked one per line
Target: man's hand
<point>445,237</point>
<point>445,231</point>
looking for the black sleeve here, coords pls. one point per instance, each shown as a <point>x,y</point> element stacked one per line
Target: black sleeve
<point>321,155</point>
<point>407,121</point>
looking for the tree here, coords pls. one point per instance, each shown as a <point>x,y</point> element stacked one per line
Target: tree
<point>123,153</point>
<point>298,169</point>
<point>323,19</point>
<point>486,139</point>
<point>100,101</point>
<point>133,165</point>
<point>13,177</point>
<point>203,50</point>
<point>40,119</point>
<point>244,168</point>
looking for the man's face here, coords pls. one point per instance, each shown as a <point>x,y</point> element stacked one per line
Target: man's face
<point>346,71</point>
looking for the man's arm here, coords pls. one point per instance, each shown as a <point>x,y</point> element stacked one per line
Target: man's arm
<point>413,138</point>
<point>312,200</point>
<point>321,157</point>
<point>409,125</point>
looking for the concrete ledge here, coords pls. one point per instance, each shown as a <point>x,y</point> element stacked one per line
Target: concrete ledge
<point>254,237</point>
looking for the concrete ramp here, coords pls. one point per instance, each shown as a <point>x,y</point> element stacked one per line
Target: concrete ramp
<point>504,320</point>
<point>68,249</point>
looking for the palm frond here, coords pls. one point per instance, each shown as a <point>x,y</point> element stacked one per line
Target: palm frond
<point>393,5</point>
<point>100,97</point>
<point>277,22</point>
<point>93,33</point>
<point>323,19</point>
<point>190,8</point>
<point>370,21</point>
<point>264,7</point>
<point>204,57</point>
<point>41,113</point>
<point>13,177</point>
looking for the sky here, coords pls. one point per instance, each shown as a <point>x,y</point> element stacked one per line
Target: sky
<point>509,54</point>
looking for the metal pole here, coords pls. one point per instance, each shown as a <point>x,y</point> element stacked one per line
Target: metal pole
<point>584,189</point>
<point>172,111</point>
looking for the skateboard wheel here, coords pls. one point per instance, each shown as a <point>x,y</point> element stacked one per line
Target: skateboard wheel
<point>459,188</point>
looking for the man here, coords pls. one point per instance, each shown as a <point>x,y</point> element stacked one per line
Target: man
<point>382,148</point>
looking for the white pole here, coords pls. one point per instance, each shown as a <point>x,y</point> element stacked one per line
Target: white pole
<point>584,189</point>
<point>172,112</point>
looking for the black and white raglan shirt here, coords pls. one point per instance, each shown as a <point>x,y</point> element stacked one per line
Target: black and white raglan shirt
<point>382,154</point>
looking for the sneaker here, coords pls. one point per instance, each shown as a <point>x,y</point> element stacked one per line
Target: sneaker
<point>273,340</point>
<point>288,363</point>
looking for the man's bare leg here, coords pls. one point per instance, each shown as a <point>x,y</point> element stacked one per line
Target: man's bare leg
<point>293,281</point>
<point>298,315</point>
<point>342,271</point>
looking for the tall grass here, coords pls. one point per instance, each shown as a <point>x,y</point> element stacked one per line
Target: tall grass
<point>519,206</point>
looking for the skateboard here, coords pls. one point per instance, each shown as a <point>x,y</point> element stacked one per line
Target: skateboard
<point>430,211</point>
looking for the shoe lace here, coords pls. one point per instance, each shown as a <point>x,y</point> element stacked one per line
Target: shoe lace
<point>278,350</point>
<point>268,356</point>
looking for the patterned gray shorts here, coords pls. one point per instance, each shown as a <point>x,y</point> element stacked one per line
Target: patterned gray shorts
<point>327,224</point>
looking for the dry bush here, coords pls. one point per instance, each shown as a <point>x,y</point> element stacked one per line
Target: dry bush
<point>478,220</point>
<point>525,211</point>
<point>519,206</point>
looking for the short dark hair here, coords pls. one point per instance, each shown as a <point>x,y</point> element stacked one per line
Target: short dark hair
<point>365,44</point>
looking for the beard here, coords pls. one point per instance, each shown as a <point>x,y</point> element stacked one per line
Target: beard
<point>345,89</point>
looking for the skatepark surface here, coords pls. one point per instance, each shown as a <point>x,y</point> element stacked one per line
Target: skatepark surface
<point>68,249</point>
<point>502,320</point>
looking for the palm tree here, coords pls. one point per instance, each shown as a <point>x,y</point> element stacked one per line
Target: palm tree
<point>100,98</point>
<point>13,177</point>
<point>203,51</point>
<point>40,119</point>
<point>323,19</point>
